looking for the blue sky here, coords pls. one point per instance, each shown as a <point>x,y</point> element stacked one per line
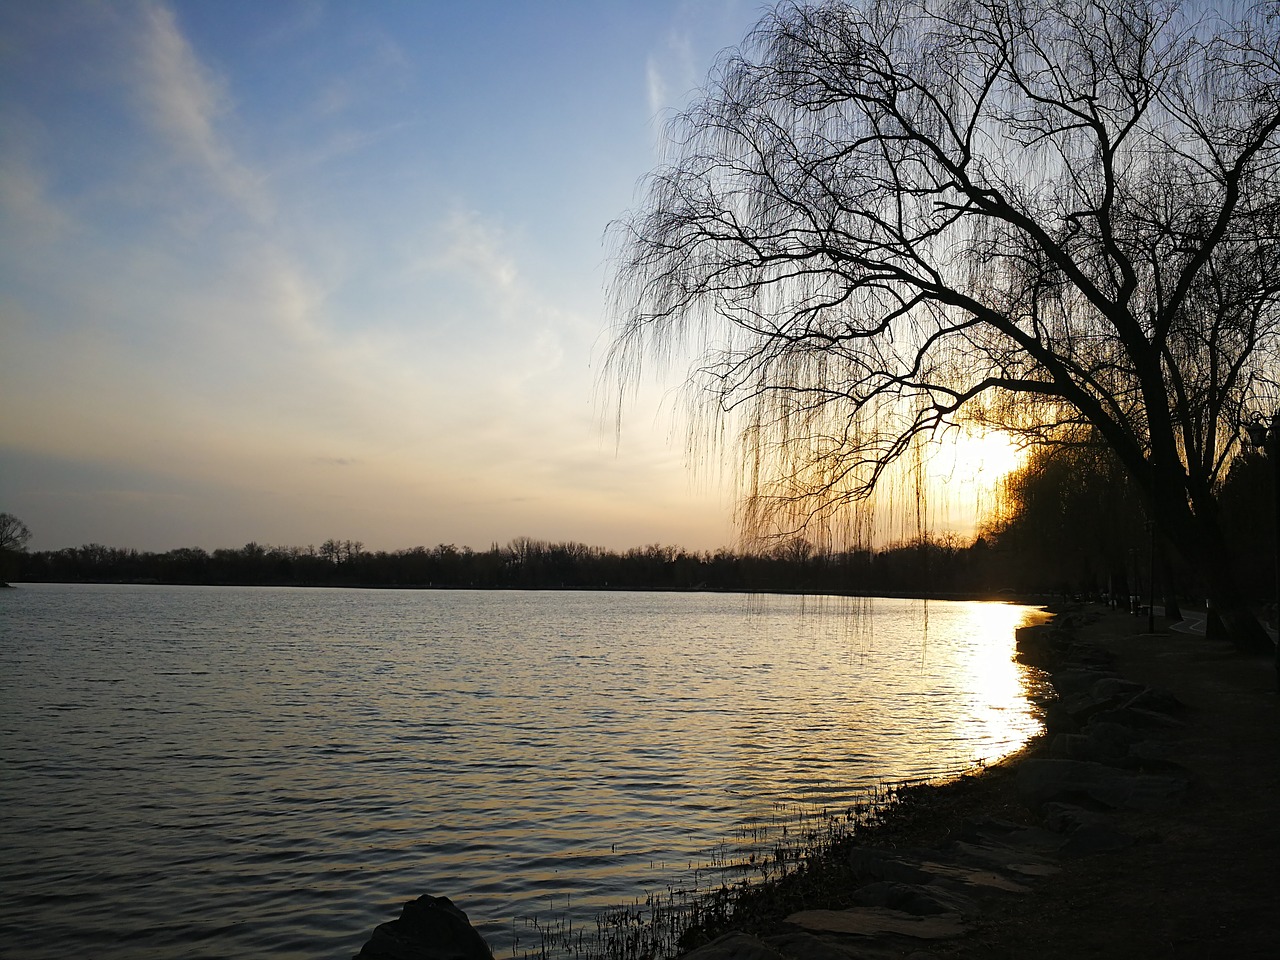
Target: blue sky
<point>292,270</point>
<point>296,270</point>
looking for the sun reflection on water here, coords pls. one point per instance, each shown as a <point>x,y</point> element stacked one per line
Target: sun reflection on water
<point>999,713</point>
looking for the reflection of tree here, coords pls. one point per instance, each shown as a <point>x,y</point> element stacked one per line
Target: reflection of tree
<point>885,218</point>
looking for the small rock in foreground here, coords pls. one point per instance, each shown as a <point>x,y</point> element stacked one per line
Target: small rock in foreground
<point>429,928</point>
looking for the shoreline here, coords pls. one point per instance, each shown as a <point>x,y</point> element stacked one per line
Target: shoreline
<point>1019,599</point>
<point>1189,874</point>
<point>1166,849</point>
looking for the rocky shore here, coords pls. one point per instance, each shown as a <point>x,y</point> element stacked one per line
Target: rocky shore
<point>1142,824</point>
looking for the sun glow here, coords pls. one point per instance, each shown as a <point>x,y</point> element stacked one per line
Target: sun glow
<point>982,457</point>
<point>965,469</point>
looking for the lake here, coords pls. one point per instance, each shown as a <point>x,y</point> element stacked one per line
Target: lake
<point>200,772</point>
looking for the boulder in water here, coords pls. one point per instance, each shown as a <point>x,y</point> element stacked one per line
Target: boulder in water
<point>429,928</point>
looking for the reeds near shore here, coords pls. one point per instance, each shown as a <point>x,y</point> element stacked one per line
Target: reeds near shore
<point>790,860</point>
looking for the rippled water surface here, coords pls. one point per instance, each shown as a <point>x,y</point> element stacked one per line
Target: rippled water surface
<point>211,772</point>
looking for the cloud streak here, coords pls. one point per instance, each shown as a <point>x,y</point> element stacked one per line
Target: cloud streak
<point>184,101</point>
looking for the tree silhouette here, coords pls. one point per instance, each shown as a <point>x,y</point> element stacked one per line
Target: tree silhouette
<point>1044,216</point>
<point>1071,517</point>
<point>14,534</point>
<point>13,539</point>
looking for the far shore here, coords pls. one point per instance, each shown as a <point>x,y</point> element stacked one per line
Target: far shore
<point>1002,596</point>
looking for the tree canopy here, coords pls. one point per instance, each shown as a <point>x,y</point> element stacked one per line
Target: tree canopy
<point>1053,217</point>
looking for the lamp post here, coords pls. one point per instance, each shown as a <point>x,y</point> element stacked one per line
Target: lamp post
<point>1264,436</point>
<point>1151,578</point>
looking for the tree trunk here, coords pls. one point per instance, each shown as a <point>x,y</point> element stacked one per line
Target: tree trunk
<point>1198,536</point>
<point>1229,616</point>
<point>1168,582</point>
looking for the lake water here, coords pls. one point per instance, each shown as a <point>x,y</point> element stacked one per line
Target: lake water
<point>192,772</point>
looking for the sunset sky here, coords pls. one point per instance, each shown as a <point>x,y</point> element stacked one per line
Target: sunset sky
<point>289,271</point>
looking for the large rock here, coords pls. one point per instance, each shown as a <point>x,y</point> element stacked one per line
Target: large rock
<point>1007,859</point>
<point>1111,738</point>
<point>912,898</point>
<point>922,867</point>
<point>1057,719</point>
<point>1009,834</point>
<point>1102,742</point>
<point>735,946</point>
<point>1087,831</point>
<point>1130,716</point>
<point>872,864</point>
<point>1108,687</point>
<point>1072,680</point>
<point>1083,707</point>
<point>1074,781</point>
<point>429,928</point>
<point>1157,701</point>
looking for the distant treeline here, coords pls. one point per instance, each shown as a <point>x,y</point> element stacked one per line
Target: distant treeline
<point>926,567</point>
<point>1070,522</point>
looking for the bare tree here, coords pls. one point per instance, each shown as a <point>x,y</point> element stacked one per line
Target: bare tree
<point>14,534</point>
<point>1053,217</point>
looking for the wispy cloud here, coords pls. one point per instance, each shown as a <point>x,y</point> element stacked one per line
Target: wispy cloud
<point>185,102</point>
<point>314,298</point>
<point>699,30</point>
<point>467,245</point>
<point>26,203</point>
<point>670,74</point>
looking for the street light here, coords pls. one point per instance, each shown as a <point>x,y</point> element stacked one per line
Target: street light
<point>1257,431</point>
<point>1263,435</point>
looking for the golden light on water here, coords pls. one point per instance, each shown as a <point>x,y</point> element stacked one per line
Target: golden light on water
<point>943,666</point>
<point>999,684</point>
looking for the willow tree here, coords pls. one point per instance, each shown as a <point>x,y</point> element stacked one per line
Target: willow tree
<point>884,219</point>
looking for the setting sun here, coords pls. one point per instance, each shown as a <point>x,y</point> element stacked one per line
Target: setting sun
<point>965,468</point>
<point>984,457</point>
